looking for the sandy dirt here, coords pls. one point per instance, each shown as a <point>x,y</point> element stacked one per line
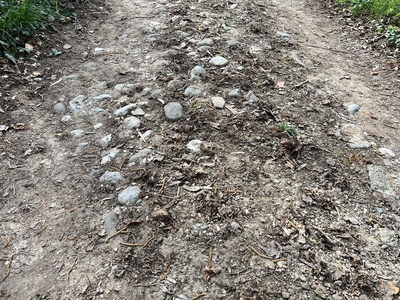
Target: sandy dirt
<point>289,196</point>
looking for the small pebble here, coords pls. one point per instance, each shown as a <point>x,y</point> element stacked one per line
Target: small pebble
<point>140,157</point>
<point>123,111</point>
<point>173,111</point>
<point>194,91</point>
<point>59,108</point>
<point>131,122</point>
<point>218,102</point>
<point>219,61</point>
<point>138,112</point>
<point>194,146</point>
<point>197,70</point>
<point>110,223</point>
<point>98,126</point>
<point>353,108</point>
<point>111,177</point>
<point>77,132</point>
<point>387,152</point>
<point>129,196</point>
<point>235,93</point>
<point>105,141</point>
<point>102,97</point>
<point>206,42</point>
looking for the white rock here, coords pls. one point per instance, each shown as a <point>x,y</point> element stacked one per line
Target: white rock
<point>194,146</point>
<point>218,102</point>
<point>219,61</point>
<point>387,152</point>
<point>123,111</point>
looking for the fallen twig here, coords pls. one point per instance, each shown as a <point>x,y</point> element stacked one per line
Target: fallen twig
<point>115,234</point>
<point>138,245</point>
<point>70,269</point>
<point>198,296</point>
<point>295,227</point>
<point>168,268</point>
<point>259,253</point>
<point>163,185</point>
<point>371,220</point>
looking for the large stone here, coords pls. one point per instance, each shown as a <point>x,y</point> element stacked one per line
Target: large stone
<point>194,91</point>
<point>356,136</point>
<point>218,102</point>
<point>173,111</point>
<point>381,181</point>
<point>131,123</point>
<point>129,196</point>
<point>219,61</point>
<point>111,177</point>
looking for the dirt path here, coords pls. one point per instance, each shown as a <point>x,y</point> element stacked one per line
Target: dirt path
<point>233,203</point>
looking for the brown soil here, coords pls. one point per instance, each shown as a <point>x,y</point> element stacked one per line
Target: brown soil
<point>258,214</point>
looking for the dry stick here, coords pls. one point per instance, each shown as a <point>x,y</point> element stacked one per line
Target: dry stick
<point>163,185</point>
<point>198,296</point>
<point>295,227</point>
<point>325,235</point>
<point>138,245</point>
<point>124,230</point>
<point>371,220</point>
<point>139,169</point>
<point>209,263</point>
<point>70,269</point>
<point>259,253</point>
<point>168,268</point>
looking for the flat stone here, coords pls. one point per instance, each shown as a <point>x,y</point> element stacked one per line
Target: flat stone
<point>387,152</point>
<point>111,177</point>
<point>77,104</point>
<point>353,108</point>
<point>140,158</point>
<point>123,111</point>
<point>105,141</point>
<point>235,93</point>
<point>205,42</point>
<point>286,37</point>
<point>356,136</point>
<point>98,126</point>
<point>131,122</point>
<point>194,91</point>
<point>297,59</point>
<point>194,146</point>
<point>59,108</point>
<point>138,112</point>
<point>173,111</point>
<point>218,102</point>
<point>129,196</point>
<point>110,156</point>
<point>380,180</point>
<point>219,61</point>
<point>77,132</point>
<point>197,70</point>
<point>110,223</point>
<point>102,97</point>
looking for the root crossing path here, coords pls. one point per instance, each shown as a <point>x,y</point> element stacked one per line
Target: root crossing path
<point>202,150</point>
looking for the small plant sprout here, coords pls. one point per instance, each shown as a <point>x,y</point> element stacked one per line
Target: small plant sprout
<point>289,130</point>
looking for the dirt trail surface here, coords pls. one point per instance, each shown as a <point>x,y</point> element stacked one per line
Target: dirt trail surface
<point>202,150</point>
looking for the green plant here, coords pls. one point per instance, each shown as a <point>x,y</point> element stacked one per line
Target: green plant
<point>393,34</point>
<point>376,8</point>
<point>289,130</point>
<point>21,20</point>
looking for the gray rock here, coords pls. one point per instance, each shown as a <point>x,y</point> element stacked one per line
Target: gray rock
<point>105,141</point>
<point>235,93</point>
<point>218,102</point>
<point>297,59</point>
<point>380,180</point>
<point>98,110</point>
<point>387,152</point>
<point>110,156</point>
<point>123,111</point>
<point>66,118</point>
<point>138,112</point>
<point>194,146</point>
<point>131,122</point>
<point>140,158</point>
<point>232,43</point>
<point>98,126</point>
<point>59,108</point>
<point>206,42</point>
<point>102,97</point>
<point>111,177</point>
<point>77,104</point>
<point>197,70</point>
<point>110,223</point>
<point>286,37</point>
<point>129,196</point>
<point>175,84</point>
<point>124,88</point>
<point>77,132</point>
<point>251,97</point>
<point>356,136</point>
<point>194,91</point>
<point>173,111</point>
<point>353,108</point>
<point>219,61</point>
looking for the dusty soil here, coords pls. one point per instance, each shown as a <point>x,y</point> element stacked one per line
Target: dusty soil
<point>257,214</point>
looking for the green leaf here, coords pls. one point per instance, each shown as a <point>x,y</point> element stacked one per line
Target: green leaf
<point>11,57</point>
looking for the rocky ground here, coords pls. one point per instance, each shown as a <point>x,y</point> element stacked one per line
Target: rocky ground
<point>202,150</point>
